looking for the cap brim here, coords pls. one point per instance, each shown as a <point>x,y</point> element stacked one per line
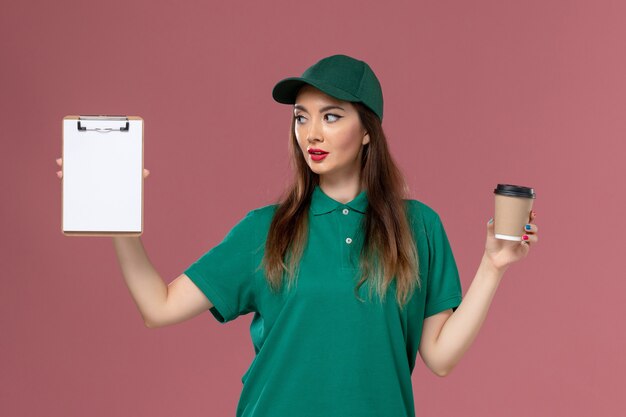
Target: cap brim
<point>286,90</point>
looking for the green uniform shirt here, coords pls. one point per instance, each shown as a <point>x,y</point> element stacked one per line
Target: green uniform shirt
<point>319,350</point>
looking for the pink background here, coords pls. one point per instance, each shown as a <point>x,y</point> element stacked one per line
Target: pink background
<point>476,93</point>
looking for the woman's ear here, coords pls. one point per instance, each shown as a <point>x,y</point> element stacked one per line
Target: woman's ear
<point>366,139</point>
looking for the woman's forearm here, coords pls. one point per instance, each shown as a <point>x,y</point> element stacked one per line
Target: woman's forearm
<point>461,328</point>
<point>146,286</point>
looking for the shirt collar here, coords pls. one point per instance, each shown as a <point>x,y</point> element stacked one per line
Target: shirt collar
<point>322,203</point>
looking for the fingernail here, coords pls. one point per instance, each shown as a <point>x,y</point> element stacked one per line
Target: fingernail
<point>527,227</point>
<point>491,220</point>
<point>525,237</point>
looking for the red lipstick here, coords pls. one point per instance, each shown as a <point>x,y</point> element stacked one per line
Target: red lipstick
<point>317,154</point>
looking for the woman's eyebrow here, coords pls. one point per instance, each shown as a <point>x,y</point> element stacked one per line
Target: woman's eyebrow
<point>323,109</point>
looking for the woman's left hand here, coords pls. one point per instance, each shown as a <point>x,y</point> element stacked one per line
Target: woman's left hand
<point>502,253</point>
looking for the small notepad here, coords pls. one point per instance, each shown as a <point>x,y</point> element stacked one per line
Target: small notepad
<point>102,175</point>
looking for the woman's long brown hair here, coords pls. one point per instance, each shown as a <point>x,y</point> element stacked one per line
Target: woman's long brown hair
<point>388,234</point>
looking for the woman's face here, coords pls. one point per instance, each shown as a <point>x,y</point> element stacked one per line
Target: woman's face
<point>337,131</point>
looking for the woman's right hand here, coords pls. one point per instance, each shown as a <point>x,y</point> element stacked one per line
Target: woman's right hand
<point>60,173</point>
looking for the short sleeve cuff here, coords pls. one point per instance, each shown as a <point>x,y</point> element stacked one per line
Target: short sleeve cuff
<point>451,302</point>
<point>221,310</point>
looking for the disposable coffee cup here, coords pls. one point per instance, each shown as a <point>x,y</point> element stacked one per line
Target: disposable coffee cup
<point>513,206</point>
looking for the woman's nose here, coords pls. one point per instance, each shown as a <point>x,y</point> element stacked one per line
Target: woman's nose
<point>315,132</point>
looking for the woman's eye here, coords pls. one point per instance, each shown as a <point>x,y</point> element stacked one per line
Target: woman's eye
<point>297,118</point>
<point>334,115</point>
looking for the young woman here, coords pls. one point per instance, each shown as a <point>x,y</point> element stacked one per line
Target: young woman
<point>347,277</point>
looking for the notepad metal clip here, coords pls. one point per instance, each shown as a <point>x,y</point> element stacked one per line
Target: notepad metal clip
<point>104,121</point>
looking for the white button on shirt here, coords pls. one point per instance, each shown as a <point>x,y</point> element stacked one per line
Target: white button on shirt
<point>348,240</point>
<point>346,211</point>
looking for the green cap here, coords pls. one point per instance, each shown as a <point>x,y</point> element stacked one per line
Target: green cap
<point>339,76</point>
